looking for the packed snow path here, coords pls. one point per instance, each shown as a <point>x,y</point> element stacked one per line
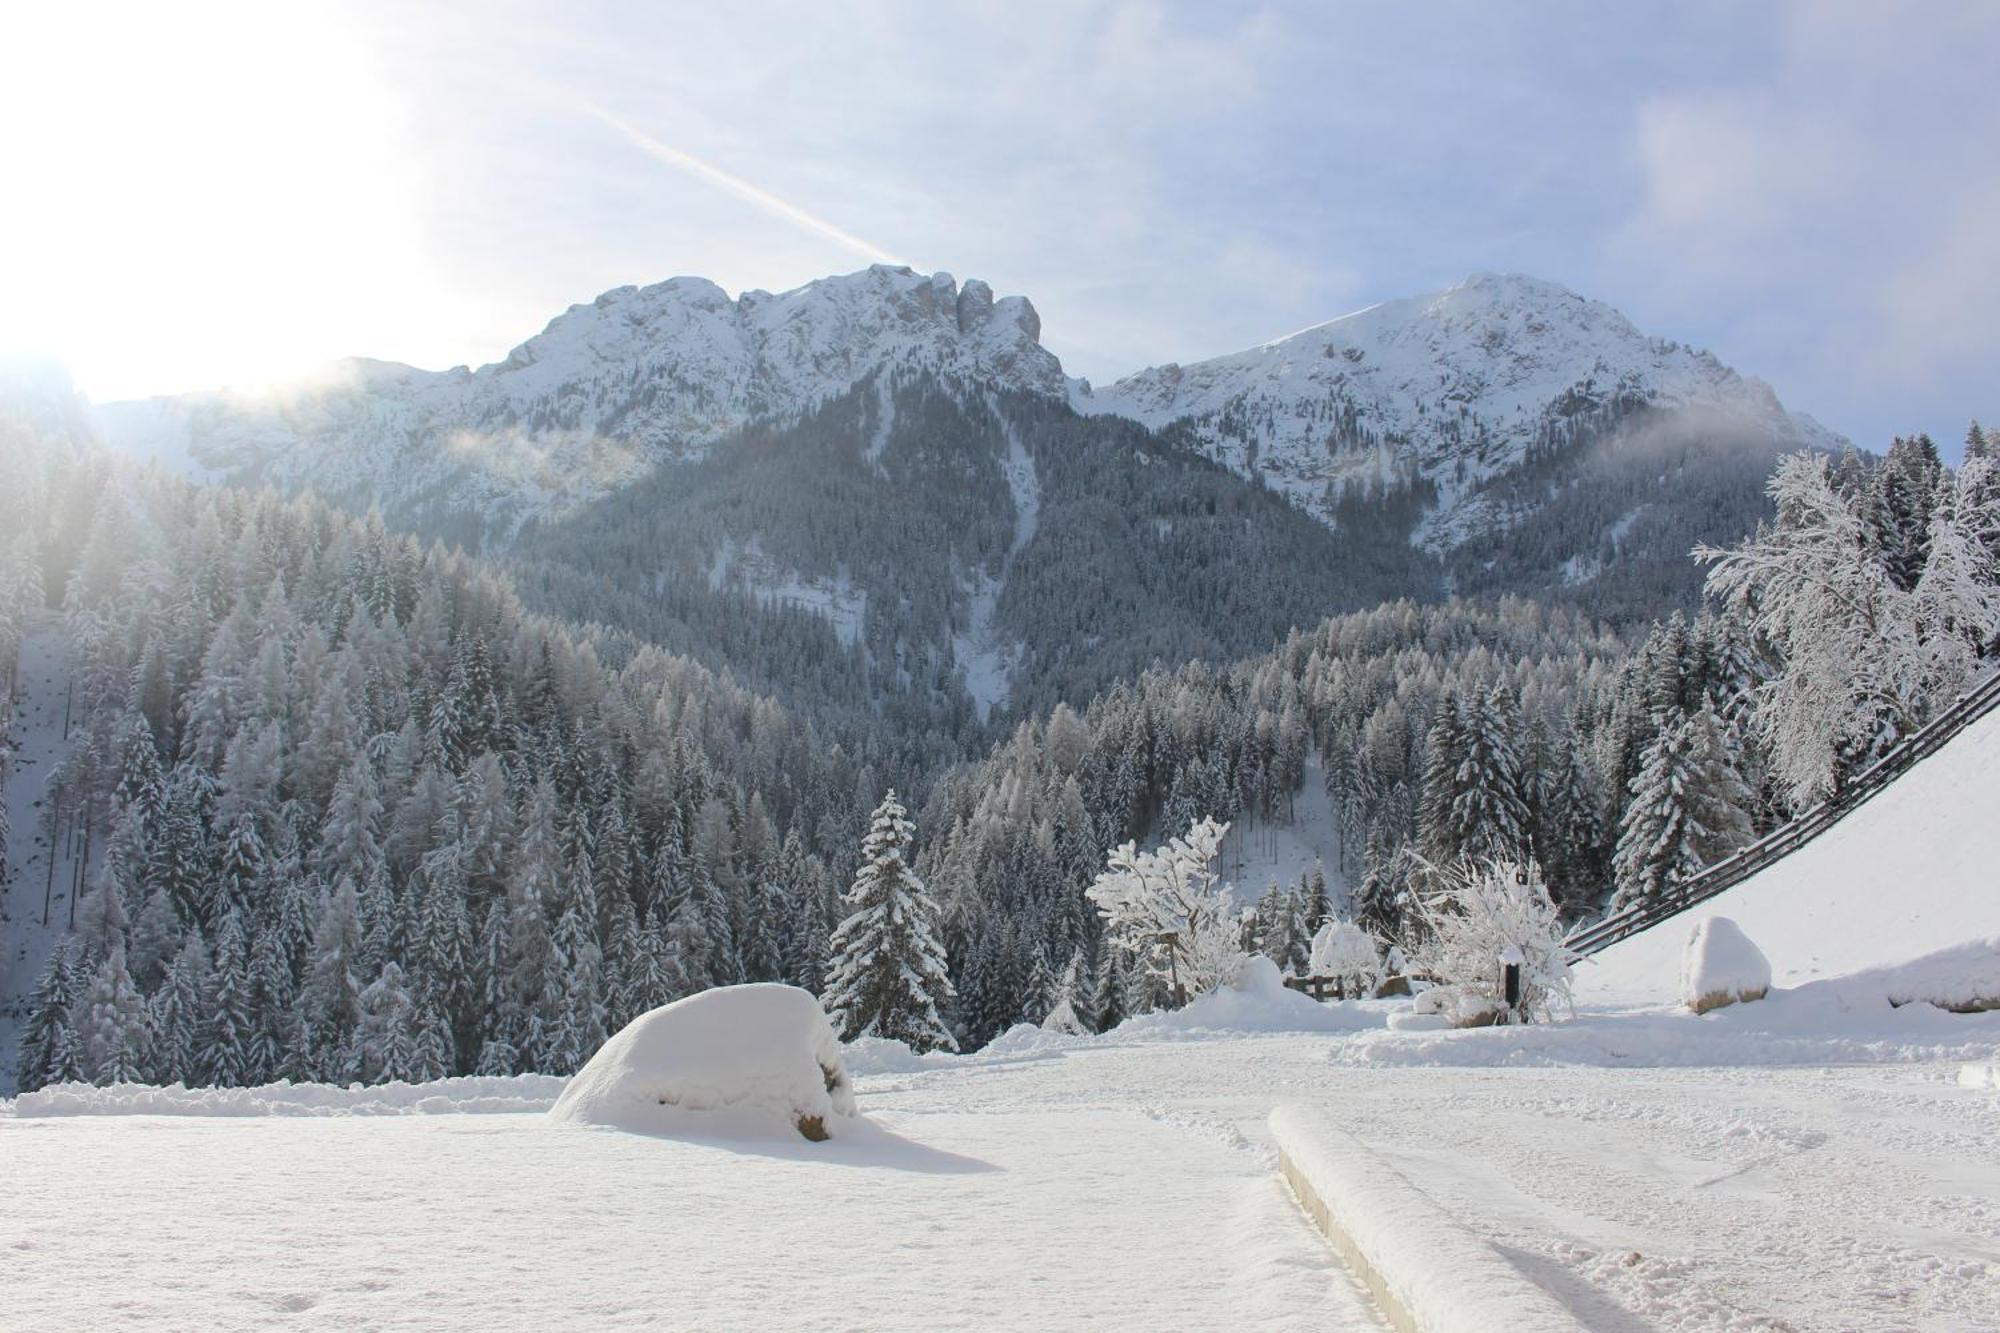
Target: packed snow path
<point>1053,1215</point>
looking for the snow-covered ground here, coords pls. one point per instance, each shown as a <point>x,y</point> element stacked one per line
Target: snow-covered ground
<point>983,1197</point>
<point>1126,1181</point>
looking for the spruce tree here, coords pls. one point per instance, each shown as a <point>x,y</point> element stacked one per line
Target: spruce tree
<point>888,975</point>
<point>49,1021</point>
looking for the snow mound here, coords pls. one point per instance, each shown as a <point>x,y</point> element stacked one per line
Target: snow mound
<point>1257,1001</point>
<point>1720,966</point>
<point>1905,875</point>
<point>1964,978</point>
<point>885,1055</point>
<point>447,1096</point>
<point>738,1061</point>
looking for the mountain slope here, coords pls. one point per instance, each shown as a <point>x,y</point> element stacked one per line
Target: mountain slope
<point>879,488</point>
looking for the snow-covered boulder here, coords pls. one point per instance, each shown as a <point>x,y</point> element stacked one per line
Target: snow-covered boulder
<point>739,1060</point>
<point>1720,966</point>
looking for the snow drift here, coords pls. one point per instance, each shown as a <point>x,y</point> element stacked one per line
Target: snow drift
<point>739,1061</point>
<point>1256,1001</point>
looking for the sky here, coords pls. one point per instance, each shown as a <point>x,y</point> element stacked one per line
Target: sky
<point>231,193</point>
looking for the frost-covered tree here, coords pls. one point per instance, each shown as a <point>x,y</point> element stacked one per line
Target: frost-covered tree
<point>1067,996</point>
<point>1864,658</point>
<point>49,1025</point>
<point>1481,915</point>
<point>1171,910</point>
<point>1349,955</point>
<point>385,1036</point>
<point>114,1032</point>
<point>888,974</point>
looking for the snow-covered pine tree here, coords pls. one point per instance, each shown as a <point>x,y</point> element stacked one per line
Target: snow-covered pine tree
<point>114,1033</point>
<point>226,1046</point>
<point>1068,994</point>
<point>179,1010</point>
<point>1689,808</point>
<point>49,1021</point>
<point>385,1035</point>
<point>888,973</point>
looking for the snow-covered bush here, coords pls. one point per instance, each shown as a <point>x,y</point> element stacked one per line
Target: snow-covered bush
<point>1345,952</point>
<point>758,1059</point>
<point>1484,911</point>
<point>1720,966</point>
<point>1171,909</point>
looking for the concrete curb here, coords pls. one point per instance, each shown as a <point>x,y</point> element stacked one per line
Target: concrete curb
<point>1426,1270</point>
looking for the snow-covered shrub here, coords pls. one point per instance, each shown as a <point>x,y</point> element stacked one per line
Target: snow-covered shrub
<point>758,1059</point>
<point>1482,911</point>
<point>1720,966</point>
<point>1170,909</point>
<point>1345,952</point>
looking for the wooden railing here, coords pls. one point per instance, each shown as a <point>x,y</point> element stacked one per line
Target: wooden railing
<point>1788,838</point>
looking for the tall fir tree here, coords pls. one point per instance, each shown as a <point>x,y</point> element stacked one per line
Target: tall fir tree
<point>888,975</point>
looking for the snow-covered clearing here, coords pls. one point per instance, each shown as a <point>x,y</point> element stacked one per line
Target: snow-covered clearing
<point>977,1200</point>
<point>989,662</point>
<point>1260,854</point>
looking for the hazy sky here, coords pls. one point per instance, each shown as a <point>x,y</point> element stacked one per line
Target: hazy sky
<point>228,192</point>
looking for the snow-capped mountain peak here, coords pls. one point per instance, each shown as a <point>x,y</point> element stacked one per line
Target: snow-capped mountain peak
<point>1454,386</point>
<point>638,376</point>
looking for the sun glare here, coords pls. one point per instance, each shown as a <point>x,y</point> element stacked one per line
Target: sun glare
<point>202,194</point>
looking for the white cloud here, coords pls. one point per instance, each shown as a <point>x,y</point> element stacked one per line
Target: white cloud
<point>1848,182</point>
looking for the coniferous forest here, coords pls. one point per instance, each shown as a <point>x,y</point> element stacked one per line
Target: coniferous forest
<point>345,808</point>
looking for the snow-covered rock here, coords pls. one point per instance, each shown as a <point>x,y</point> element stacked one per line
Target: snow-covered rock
<point>1720,966</point>
<point>1964,979</point>
<point>741,1060</point>
<point>1454,386</point>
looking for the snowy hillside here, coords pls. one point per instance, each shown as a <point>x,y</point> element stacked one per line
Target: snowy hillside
<point>1455,387</point>
<point>1907,874</point>
<point>640,375</point>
